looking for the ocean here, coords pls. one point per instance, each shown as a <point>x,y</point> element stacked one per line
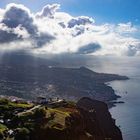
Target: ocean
<point>127,115</point>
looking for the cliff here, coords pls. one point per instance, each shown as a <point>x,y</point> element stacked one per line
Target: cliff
<point>88,120</point>
<point>98,120</point>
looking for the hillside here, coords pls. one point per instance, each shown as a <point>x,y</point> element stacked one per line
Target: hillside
<point>86,120</point>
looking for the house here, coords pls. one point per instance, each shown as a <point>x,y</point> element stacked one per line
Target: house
<point>41,100</point>
<point>50,101</point>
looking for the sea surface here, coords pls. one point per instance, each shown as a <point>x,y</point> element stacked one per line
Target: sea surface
<point>127,115</point>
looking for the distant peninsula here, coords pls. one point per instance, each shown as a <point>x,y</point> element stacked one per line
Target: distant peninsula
<point>28,77</point>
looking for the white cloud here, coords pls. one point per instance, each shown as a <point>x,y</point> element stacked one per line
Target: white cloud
<point>1,14</point>
<point>48,11</point>
<point>52,31</point>
<point>126,28</point>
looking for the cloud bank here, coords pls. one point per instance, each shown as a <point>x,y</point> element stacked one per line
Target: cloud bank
<point>51,31</point>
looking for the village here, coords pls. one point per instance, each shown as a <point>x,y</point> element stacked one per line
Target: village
<point>12,108</point>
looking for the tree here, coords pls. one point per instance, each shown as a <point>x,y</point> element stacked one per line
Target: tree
<point>22,134</point>
<point>40,113</point>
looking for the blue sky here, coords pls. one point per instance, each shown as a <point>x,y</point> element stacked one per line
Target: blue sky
<point>111,11</point>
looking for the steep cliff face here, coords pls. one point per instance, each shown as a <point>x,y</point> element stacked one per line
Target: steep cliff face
<point>98,120</point>
<point>64,120</point>
<point>89,120</point>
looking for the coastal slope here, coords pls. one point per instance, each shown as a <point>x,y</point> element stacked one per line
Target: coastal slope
<point>85,120</point>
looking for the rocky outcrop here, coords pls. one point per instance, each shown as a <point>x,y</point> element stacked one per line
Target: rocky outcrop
<point>98,121</point>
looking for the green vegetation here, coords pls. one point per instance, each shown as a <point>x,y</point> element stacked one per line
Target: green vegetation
<point>71,104</point>
<point>40,113</point>
<point>6,104</point>
<point>2,127</point>
<point>63,120</point>
<point>57,118</point>
<point>26,119</point>
<point>20,105</point>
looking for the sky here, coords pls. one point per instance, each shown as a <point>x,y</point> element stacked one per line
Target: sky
<point>97,27</point>
<point>103,10</point>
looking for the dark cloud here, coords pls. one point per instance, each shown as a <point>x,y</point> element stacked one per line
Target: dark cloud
<point>79,30</point>
<point>17,15</point>
<point>43,39</point>
<point>90,48</point>
<point>80,21</point>
<point>6,37</point>
<point>62,24</point>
